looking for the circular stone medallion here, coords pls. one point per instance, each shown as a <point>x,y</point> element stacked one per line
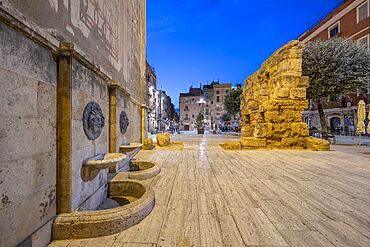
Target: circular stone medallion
<point>123,122</point>
<point>93,120</point>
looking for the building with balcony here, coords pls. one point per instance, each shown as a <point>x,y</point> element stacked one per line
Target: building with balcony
<point>151,90</point>
<point>349,20</point>
<point>208,100</point>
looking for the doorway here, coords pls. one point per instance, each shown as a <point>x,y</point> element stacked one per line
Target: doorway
<point>335,125</point>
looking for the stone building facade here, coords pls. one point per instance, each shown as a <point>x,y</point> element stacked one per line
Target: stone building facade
<point>161,111</point>
<point>55,58</point>
<point>210,100</point>
<point>191,104</point>
<point>152,96</point>
<point>214,96</point>
<point>350,20</point>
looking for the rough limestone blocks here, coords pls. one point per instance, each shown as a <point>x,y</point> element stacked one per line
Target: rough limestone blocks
<point>272,103</point>
<point>148,144</point>
<point>316,144</point>
<point>253,142</point>
<point>163,139</point>
<point>231,145</point>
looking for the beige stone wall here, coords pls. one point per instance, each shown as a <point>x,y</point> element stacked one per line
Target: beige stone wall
<point>109,37</point>
<point>110,33</point>
<point>28,80</point>
<point>273,100</point>
<point>86,87</point>
<point>133,113</point>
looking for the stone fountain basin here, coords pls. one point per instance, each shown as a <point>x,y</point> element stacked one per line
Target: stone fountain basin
<point>137,200</point>
<point>103,161</point>
<point>142,170</point>
<point>129,147</point>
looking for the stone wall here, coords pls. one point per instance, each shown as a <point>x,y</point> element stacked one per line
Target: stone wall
<point>86,87</point>
<point>109,41</point>
<point>273,100</point>
<point>134,115</point>
<point>111,33</point>
<point>28,79</point>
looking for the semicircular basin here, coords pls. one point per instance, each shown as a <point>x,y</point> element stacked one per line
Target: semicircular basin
<point>102,161</point>
<point>142,170</point>
<point>129,147</point>
<point>98,223</point>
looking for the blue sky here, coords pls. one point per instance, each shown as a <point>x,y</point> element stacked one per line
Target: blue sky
<point>196,41</point>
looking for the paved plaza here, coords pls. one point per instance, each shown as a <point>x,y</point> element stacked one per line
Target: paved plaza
<point>207,196</point>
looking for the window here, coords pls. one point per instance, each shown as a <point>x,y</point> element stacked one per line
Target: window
<point>227,91</point>
<point>218,99</point>
<point>207,111</point>
<point>186,108</point>
<point>217,92</point>
<point>192,116</point>
<point>186,117</point>
<point>211,102</point>
<point>365,41</point>
<point>362,11</point>
<point>334,30</point>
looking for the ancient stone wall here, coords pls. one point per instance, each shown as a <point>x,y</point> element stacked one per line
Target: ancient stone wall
<point>109,44</point>
<point>110,33</point>
<point>28,80</point>
<point>87,87</point>
<point>132,110</point>
<point>273,100</point>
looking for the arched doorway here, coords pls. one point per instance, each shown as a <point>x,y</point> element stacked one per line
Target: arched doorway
<point>335,125</point>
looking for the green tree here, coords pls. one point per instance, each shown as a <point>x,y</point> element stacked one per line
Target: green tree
<point>232,102</point>
<point>226,117</point>
<point>335,67</point>
<point>199,121</point>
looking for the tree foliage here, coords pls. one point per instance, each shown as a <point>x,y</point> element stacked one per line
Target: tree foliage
<point>232,101</point>
<point>226,117</point>
<point>199,121</point>
<point>335,66</point>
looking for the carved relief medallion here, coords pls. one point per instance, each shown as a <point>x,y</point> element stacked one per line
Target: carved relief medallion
<point>93,120</point>
<point>123,122</point>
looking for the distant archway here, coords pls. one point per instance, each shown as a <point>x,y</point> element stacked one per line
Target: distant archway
<point>334,124</point>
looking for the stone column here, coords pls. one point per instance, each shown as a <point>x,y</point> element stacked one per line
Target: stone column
<point>64,129</point>
<point>143,109</point>
<point>112,88</point>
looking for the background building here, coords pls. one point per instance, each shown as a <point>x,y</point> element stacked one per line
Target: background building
<point>166,112</point>
<point>209,101</point>
<point>161,111</point>
<point>191,104</point>
<point>349,20</point>
<point>152,96</point>
<point>218,107</point>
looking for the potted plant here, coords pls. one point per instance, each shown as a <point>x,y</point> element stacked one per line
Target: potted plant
<point>199,124</point>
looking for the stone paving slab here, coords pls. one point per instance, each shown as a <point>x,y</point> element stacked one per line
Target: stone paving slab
<point>207,196</point>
